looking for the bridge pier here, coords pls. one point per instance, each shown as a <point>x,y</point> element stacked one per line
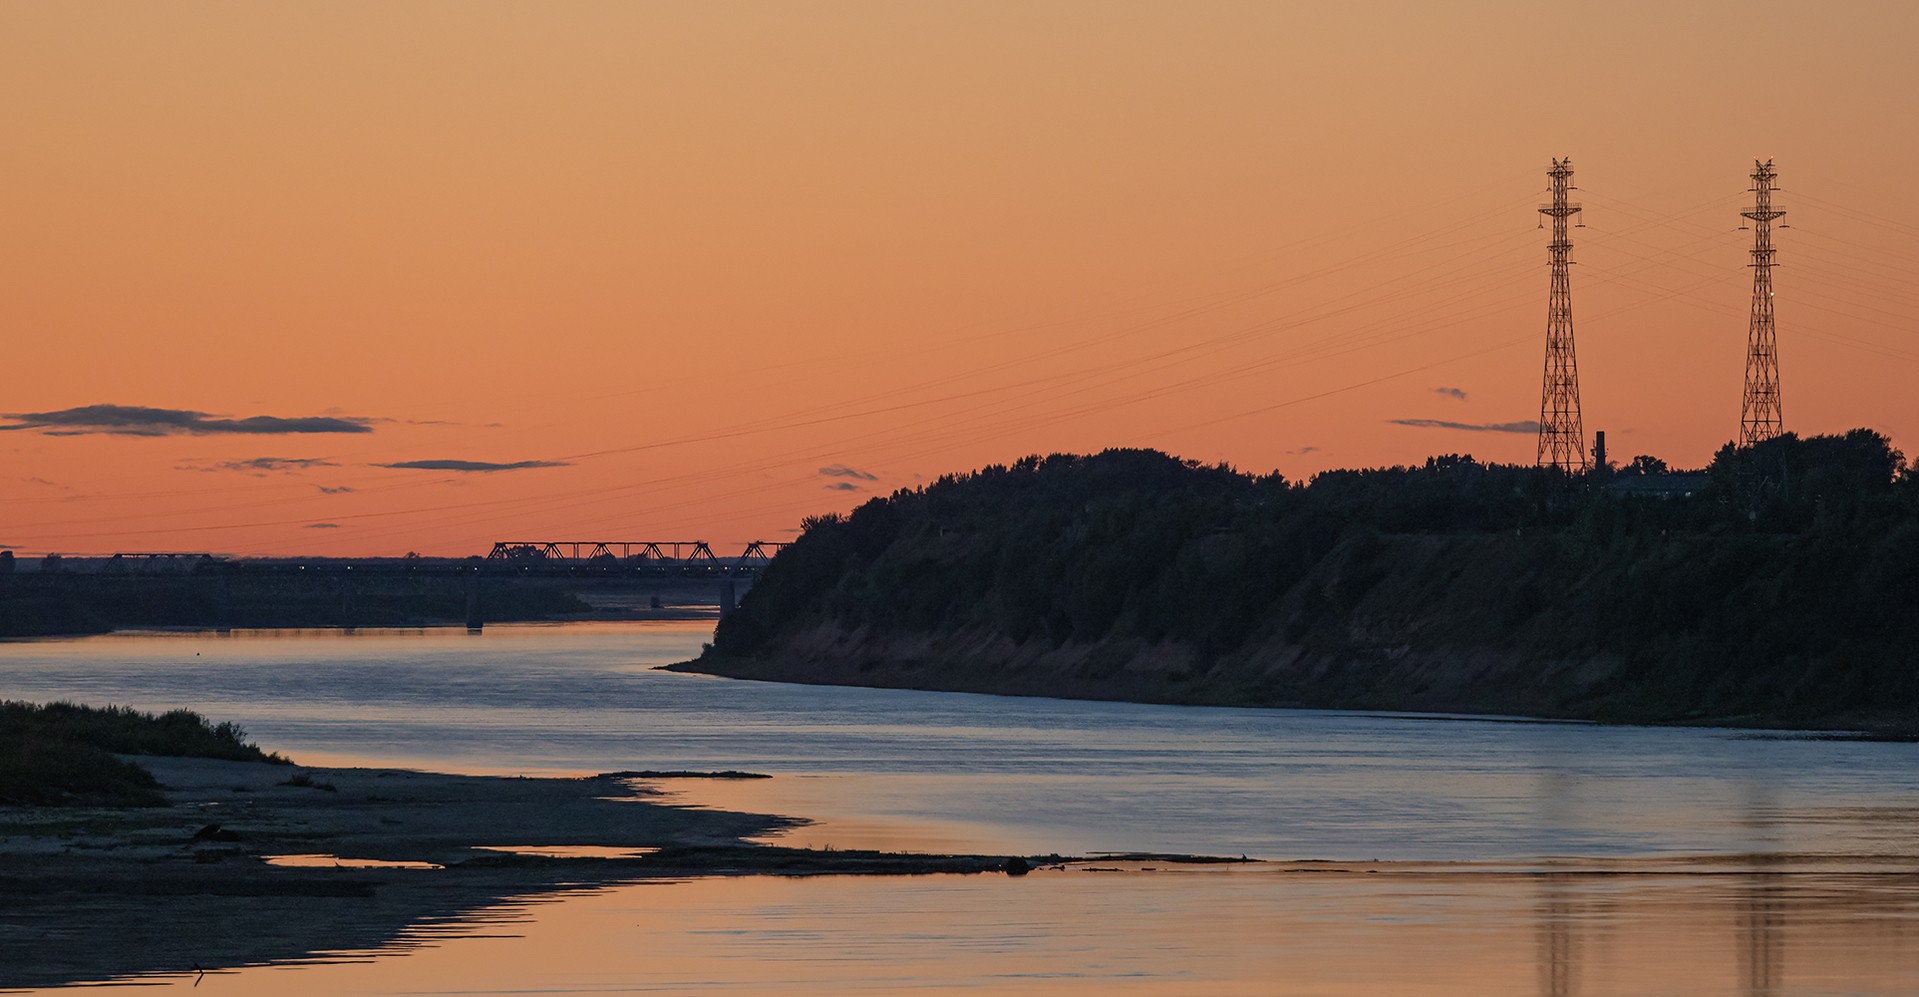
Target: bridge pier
<point>346,599</point>
<point>222,604</point>
<point>729,598</point>
<point>474,622</point>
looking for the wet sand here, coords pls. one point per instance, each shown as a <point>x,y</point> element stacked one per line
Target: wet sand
<point>95,894</point>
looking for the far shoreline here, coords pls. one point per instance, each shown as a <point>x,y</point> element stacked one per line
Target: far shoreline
<point>1860,729</point>
<point>676,615</point>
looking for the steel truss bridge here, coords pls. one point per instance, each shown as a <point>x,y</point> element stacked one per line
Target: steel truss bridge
<point>607,559</point>
<point>592,562</point>
<point>649,557</point>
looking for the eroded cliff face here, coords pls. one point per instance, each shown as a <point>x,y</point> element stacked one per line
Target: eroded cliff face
<point>1412,623</point>
<point>1276,673</point>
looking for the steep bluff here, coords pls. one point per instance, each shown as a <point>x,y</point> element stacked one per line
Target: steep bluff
<point>1780,597</point>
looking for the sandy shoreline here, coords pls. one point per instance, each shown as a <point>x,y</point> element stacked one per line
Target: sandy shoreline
<point>96,894</point>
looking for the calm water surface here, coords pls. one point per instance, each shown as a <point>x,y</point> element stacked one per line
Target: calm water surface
<point>1512,857</point>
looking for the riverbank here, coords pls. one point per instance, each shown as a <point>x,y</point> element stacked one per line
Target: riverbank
<point>1420,683</point>
<point>1773,591</point>
<point>250,862</point>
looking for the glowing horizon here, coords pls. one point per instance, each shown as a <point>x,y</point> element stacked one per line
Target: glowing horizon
<point>358,279</point>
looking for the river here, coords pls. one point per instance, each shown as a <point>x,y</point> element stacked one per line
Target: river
<point>1407,854</point>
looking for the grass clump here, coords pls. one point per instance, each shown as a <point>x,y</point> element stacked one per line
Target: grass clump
<point>53,773</point>
<point>64,754</point>
<point>304,780</point>
<point>127,731</point>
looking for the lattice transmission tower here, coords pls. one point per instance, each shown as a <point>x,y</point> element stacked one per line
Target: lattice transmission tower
<point>1562,441</point>
<point>1760,417</point>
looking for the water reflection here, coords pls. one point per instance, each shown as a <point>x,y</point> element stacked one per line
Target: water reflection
<point>1558,955</point>
<point>1589,861</point>
<point>1758,926</point>
<point>1556,798</point>
<point>1270,930</point>
<point>1762,930</point>
<point>1762,908</point>
<point>321,861</point>
<point>934,770</point>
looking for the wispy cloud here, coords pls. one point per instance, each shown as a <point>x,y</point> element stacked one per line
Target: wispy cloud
<point>1525,426</point>
<point>842,471</point>
<point>137,420</point>
<point>323,526</point>
<point>262,465</point>
<point>843,486</point>
<point>1457,394</point>
<point>476,466</point>
<point>335,489</point>
<point>427,422</point>
<point>1303,450</point>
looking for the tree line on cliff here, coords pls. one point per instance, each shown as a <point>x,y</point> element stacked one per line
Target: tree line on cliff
<point>1778,582</point>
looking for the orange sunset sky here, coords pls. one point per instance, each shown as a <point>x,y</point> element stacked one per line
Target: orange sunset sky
<point>637,271</point>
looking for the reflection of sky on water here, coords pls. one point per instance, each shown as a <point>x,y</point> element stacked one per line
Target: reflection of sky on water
<point>1669,897</point>
<point>961,771</point>
<point>1233,933</point>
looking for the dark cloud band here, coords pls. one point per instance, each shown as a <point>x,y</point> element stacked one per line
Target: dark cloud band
<point>137,420</point>
<point>842,471</point>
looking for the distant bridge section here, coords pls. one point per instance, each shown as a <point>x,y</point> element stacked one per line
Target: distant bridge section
<point>607,559</point>
<point>683,557</point>
<point>503,574</point>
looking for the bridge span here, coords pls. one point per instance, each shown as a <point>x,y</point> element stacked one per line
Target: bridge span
<point>591,563</point>
<point>685,556</point>
<point>576,558</point>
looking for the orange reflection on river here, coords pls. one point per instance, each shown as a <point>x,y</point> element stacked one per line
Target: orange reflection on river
<point>1270,928</point>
